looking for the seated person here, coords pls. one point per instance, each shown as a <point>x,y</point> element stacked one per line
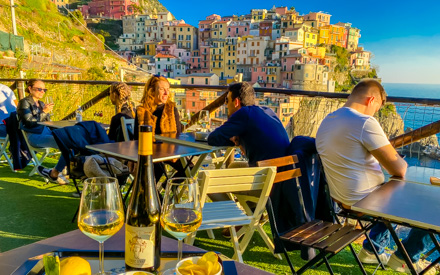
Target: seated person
<point>120,95</point>
<point>352,146</point>
<point>158,111</point>
<point>256,129</point>
<point>32,110</point>
<point>8,104</point>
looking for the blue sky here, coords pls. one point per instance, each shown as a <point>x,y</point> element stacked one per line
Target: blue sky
<point>404,36</point>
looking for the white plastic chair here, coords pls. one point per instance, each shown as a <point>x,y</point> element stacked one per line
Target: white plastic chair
<point>4,141</point>
<point>229,214</point>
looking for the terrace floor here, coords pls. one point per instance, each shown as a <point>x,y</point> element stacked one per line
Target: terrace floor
<point>32,210</point>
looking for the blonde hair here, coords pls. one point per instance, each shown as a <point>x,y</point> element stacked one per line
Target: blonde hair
<point>149,95</point>
<point>123,93</point>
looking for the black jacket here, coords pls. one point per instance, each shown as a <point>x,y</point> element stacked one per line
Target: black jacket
<point>30,114</point>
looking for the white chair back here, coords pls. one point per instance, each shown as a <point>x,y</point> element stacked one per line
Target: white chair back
<point>127,125</point>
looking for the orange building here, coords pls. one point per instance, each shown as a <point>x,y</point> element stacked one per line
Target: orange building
<point>333,35</point>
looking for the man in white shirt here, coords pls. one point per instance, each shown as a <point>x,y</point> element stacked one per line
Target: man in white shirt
<point>8,104</point>
<point>353,147</point>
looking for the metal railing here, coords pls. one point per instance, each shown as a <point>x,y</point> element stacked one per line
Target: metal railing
<point>400,115</point>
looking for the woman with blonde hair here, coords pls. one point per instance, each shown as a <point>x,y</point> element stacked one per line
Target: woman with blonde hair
<point>158,111</point>
<point>120,96</point>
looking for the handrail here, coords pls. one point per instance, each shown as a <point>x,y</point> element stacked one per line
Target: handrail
<point>425,101</point>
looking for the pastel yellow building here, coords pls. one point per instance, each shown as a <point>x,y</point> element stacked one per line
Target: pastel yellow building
<point>169,34</point>
<point>333,35</point>
<point>186,37</point>
<point>150,48</point>
<point>219,29</point>
<point>258,14</point>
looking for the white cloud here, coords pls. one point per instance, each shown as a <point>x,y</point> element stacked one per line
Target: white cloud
<point>414,59</point>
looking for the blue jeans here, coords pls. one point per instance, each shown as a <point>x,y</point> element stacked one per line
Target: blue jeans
<point>416,243</point>
<point>46,139</point>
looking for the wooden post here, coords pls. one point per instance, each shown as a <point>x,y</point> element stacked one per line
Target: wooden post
<point>20,86</point>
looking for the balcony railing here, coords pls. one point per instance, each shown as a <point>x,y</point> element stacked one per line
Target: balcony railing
<point>400,115</point>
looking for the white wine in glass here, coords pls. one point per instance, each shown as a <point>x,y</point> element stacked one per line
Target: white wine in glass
<point>181,211</point>
<point>101,212</point>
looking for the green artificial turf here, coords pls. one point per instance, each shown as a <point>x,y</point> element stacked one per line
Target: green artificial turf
<point>31,210</point>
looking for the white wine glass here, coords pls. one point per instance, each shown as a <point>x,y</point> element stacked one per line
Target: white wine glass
<point>101,212</point>
<point>181,211</point>
<point>204,118</point>
<point>49,100</point>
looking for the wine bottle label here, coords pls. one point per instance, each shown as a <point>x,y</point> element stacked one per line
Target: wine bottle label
<point>139,246</point>
<point>145,143</point>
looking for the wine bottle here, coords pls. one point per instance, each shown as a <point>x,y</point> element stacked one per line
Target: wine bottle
<point>142,230</point>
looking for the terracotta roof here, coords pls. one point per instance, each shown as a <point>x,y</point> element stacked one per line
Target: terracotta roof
<point>161,55</point>
<point>184,25</point>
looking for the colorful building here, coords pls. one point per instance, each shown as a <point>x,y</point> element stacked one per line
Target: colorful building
<point>108,8</point>
<point>360,59</point>
<point>333,35</point>
<point>251,50</point>
<point>353,35</point>
<point>238,29</point>
<point>258,14</point>
<point>219,29</point>
<point>169,65</point>
<point>268,75</point>
<point>321,18</point>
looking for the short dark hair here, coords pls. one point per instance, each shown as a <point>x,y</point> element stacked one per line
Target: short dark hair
<point>364,86</point>
<point>243,91</point>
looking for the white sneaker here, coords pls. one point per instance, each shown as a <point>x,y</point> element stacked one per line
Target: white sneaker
<point>62,180</point>
<point>401,266</point>
<point>369,258</point>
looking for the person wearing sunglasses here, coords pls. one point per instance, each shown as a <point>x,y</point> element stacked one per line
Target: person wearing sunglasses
<point>32,110</point>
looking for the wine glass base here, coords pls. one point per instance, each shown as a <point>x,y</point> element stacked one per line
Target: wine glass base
<point>105,273</point>
<point>171,271</point>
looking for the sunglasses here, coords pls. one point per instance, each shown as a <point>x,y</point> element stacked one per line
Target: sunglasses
<point>40,89</point>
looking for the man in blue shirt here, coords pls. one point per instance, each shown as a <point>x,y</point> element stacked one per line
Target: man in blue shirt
<point>257,130</point>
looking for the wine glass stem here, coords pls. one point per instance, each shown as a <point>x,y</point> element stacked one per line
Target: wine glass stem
<point>101,258</point>
<point>179,250</point>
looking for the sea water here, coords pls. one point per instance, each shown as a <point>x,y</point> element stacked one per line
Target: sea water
<point>415,116</point>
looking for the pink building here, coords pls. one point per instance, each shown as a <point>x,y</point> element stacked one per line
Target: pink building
<point>205,58</point>
<point>194,62</point>
<point>281,10</point>
<point>238,29</point>
<point>108,8</point>
<point>165,48</point>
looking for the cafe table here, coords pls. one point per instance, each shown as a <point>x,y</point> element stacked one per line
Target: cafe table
<point>162,151</point>
<point>407,203</point>
<point>194,139</point>
<point>18,259</point>
<point>419,174</point>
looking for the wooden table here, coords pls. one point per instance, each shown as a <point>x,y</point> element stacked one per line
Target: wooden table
<point>66,123</point>
<point>76,240</point>
<point>402,202</point>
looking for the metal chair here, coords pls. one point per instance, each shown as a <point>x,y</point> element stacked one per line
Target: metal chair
<point>4,142</point>
<point>35,150</point>
<point>327,237</point>
<point>127,125</point>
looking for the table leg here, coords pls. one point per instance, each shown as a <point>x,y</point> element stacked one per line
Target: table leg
<point>191,172</point>
<point>401,248</point>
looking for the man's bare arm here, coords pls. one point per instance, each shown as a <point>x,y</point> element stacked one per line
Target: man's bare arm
<point>390,160</point>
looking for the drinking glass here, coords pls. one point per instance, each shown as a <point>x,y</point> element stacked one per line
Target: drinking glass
<point>49,100</point>
<point>204,118</point>
<point>181,211</point>
<point>101,213</point>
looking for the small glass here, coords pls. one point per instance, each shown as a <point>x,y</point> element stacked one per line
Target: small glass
<point>101,212</point>
<point>204,119</point>
<point>181,211</point>
<point>49,100</point>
